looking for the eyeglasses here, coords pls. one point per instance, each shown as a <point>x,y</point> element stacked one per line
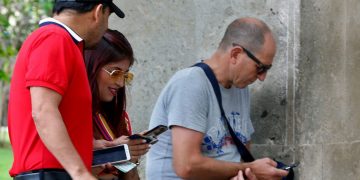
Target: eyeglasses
<point>117,74</point>
<point>262,68</point>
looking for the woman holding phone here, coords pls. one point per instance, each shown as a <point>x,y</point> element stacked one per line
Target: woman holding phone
<point>108,72</point>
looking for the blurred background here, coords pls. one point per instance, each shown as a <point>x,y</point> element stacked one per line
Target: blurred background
<point>17,19</point>
<point>306,111</point>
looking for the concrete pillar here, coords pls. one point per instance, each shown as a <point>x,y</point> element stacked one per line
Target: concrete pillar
<point>327,96</point>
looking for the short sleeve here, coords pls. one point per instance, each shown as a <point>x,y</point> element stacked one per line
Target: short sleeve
<point>49,62</point>
<point>187,100</point>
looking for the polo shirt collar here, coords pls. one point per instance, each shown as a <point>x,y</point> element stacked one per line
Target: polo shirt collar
<point>74,36</point>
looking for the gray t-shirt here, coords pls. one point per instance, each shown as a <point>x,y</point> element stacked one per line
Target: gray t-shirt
<point>188,100</point>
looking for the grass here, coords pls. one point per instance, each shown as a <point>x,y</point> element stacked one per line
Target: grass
<point>5,162</point>
<point>5,156</point>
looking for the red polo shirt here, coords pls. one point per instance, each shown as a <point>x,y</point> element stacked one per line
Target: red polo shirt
<point>51,57</point>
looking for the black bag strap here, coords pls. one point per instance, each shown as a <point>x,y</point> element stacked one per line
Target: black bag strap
<point>244,152</point>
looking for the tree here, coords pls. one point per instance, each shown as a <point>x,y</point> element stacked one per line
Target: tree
<point>18,18</point>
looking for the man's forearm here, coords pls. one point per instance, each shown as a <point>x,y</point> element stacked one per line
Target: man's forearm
<point>209,168</point>
<point>190,163</point>
<point>54,135</point>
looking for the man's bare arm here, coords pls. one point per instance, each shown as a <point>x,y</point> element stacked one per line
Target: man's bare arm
<point>189,163</point>
<point>53,133</point>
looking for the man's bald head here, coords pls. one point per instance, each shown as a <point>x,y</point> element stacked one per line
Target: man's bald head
<point>248,32</point>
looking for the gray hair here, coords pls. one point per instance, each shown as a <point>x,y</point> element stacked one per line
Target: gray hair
<point>247,32</point>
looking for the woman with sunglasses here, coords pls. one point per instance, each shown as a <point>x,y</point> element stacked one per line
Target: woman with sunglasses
<point>108,72</point>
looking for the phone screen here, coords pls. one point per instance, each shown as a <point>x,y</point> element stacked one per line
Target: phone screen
<point>111,155</point>
<point>151,135</point>
<point>156,131</point>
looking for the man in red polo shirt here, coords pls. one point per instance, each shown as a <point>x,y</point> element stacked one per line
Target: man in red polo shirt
<point>50,124</point>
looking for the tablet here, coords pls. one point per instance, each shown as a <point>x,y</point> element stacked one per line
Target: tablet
<point>115,154</point>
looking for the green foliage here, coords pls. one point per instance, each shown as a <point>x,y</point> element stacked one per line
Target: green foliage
<point>18,18</point>
<point>5,163</point>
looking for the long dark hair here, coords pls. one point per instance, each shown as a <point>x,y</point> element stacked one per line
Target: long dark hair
<point>113,47</point>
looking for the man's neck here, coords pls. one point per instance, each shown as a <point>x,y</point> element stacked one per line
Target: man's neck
<point>219,64</point>
<point>74,22</point>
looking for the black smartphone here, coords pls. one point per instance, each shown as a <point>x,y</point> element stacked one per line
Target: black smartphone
<point>156,131</point>
<point>112,155</point>
<point>138,136</point>
<point>150,136</point>
<point>288,167</point>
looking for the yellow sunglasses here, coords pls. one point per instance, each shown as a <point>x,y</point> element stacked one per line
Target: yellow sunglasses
<point>117,74</point>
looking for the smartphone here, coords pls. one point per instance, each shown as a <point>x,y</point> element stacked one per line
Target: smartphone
<point>150,136</point>
<point>288,167</point>
<point>138,136</point>
<point>156,131</point>
<point>115,154</point>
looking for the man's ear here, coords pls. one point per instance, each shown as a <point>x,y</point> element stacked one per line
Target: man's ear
<point>235,52</point>
<point>98,12</point>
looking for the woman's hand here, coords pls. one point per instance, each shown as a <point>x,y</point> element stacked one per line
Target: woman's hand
<point>102,144</point>
<point>105,171</point>
<point>137,147</point>
<point>121,140</point>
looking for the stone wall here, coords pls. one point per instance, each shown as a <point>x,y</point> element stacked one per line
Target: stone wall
<point>305,111</point>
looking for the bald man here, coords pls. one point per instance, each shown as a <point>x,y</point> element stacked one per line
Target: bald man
<point>199,145</point>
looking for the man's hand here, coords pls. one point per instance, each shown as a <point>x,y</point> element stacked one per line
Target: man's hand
<point>248,173</point>
<point>265,169</point>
